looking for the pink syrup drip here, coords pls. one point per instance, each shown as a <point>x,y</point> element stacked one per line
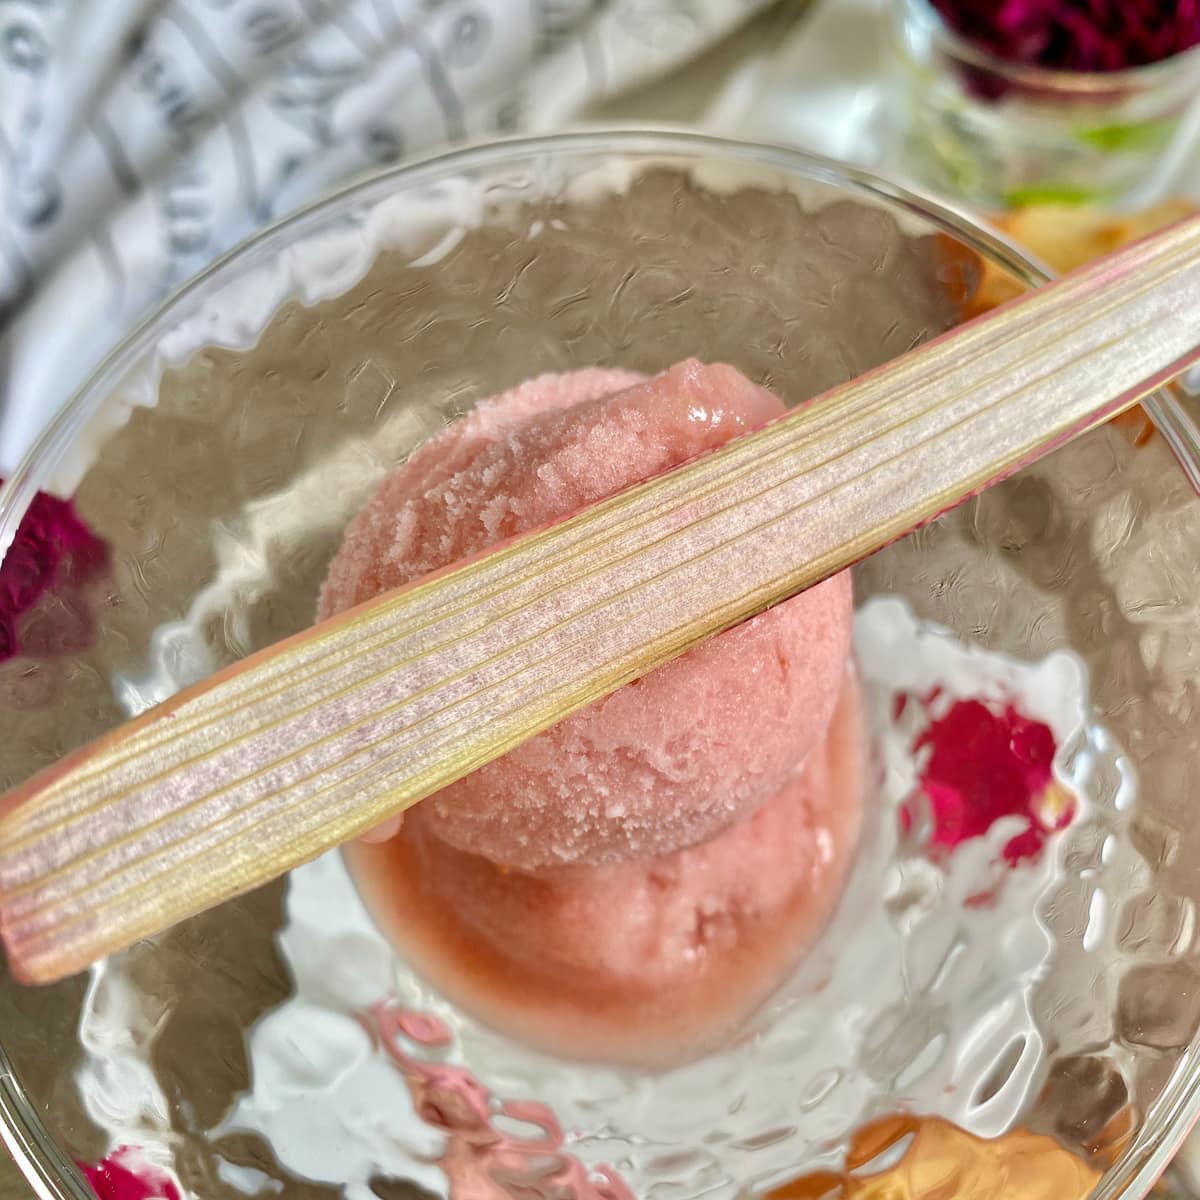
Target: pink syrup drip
<point>126,1175</point>
<point>481,1161</point>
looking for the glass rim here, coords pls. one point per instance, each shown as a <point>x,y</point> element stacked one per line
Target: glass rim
<point>49,1172</point>
<point>1081,83</point>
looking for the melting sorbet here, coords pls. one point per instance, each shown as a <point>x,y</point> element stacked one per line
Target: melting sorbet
<point>632,883</point>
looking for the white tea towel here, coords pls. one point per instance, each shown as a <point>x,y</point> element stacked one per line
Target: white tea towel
<point>139,139</point>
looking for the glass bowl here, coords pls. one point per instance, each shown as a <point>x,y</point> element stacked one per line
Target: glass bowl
<point>278,1046</point>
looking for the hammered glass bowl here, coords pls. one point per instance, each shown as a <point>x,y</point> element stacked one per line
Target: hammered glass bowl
<point>220,450</point>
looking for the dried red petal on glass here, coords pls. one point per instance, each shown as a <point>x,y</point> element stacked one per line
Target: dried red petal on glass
<point>124,1175</point>
<point>52,546</point>
<point>1032,744</point>
<point>26,571</point>
<point>8,637</point>
<point>985,765</point>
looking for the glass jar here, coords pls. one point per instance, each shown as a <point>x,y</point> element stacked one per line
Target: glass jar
<point>998,133</point>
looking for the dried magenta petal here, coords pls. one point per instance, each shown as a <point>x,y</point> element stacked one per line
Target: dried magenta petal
<point>26,571</point>
<point>983,766</point>
<point>1077,35</point>
<point>52,546</point>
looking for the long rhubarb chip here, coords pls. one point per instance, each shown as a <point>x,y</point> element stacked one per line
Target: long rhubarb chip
<point>313,741</point>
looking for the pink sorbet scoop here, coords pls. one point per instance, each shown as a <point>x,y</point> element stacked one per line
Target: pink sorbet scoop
<point>673,758</point>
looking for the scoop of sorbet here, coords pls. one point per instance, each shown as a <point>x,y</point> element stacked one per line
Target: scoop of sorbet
<point>675,757</point>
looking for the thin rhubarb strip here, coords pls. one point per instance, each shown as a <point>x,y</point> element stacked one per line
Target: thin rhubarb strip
<point>311,742</point>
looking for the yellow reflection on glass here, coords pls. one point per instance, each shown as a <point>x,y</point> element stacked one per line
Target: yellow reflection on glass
<point>930,1159</point>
